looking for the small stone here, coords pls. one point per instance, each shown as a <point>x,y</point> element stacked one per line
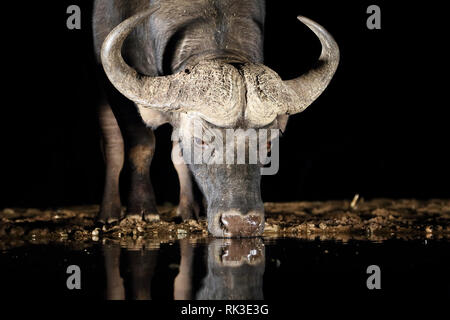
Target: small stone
<point>8,211</point>
<point>322,226</point>
<point>17,231</point>
<point>96,232</point>
<point>152,218</point>
<point>271,228</point>
<point>354,201</point>
<point>428,229</point>
<point>193,223</point>
<point>181,231</point>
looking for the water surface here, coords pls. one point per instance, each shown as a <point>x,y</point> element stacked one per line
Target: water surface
<point>276,268</point>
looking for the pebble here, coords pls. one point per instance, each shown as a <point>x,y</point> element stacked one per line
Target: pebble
<point>96,232</point>
<point>8,211</point>
<point>152,218</point>
<point>193,222</point>
<point>271,228</point>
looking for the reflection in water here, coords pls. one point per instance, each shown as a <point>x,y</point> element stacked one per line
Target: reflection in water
<point>229,269</point>
<point>129,273</point>
<point>182,286</point>
<point>136,270</point>
<point>235,269</point>
<point>114,283</point>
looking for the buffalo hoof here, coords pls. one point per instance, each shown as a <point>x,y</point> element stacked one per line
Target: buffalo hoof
<point>110,222</point>
<point>133,218</point>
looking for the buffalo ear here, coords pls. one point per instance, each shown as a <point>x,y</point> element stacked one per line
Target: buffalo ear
<point>282,120</point>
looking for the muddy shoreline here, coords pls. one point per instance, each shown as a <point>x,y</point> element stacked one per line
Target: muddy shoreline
<point>374,220</point>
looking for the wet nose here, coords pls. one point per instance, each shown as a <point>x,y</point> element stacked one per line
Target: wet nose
<point>234,224</point>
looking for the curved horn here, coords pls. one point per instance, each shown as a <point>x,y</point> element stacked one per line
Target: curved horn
<point>210,88</point>
<point>310,85</point>
<point>122,76</point>
<point>269,96</point>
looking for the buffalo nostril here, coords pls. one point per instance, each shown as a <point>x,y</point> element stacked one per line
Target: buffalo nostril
<point>237,225</point>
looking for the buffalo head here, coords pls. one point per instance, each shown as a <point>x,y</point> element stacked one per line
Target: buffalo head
<point>218,94</point>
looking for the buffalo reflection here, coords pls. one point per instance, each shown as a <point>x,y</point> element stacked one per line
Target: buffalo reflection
<point>235,269</point>
<point>129,273</point>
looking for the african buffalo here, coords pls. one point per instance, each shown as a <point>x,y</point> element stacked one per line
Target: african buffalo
<point>193,61</point>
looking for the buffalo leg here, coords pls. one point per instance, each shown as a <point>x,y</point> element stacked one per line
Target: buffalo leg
<point>139,145</point>
<point>187,207</point>
<point>141,198</point>
<point>113,152</point>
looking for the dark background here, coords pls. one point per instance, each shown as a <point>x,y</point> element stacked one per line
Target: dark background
<point>379,130</point>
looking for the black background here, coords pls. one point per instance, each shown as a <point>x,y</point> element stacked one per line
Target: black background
<point>379,130</point>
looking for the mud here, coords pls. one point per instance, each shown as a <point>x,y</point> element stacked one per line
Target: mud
<point>374,220</point>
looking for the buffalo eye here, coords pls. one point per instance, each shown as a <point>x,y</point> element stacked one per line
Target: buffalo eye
<point>199,142</point>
